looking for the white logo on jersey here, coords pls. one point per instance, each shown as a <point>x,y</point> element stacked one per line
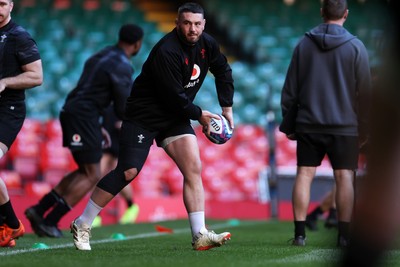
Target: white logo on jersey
<point>195,72</point>
<point>141,137</point>
<point>3,37</point>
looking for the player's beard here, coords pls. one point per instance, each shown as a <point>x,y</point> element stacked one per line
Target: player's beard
<point>185,38</point>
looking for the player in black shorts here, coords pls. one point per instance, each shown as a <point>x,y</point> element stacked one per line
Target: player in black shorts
<point>106,78</point>
<point>324,106</point>
<point>20,69</point>
<point>160,108</point>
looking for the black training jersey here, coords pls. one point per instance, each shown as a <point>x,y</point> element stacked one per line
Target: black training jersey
<point>172,75</point>
<point>106,78</point>
<point>17,48</point>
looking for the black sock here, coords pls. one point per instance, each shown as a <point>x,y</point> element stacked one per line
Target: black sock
<point>300,228</point>
<point>9,217</point>
<point>46,202</point>
<point>59,210</point>
<point>129,202</point>
<point>344,229</point>
<point>316,212</point>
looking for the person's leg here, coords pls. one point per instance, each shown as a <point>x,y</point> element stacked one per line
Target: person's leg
<point>309,152</point>
<point>345,203</point>
<point>325,205</point>
<point>331,220</point>
<point>53,199</point>
<point>6,209</point>
<point>301,199</point>
<point>185,152</point>
<point>132,157</point>
<point>10,228</point>
<point>132,211</point>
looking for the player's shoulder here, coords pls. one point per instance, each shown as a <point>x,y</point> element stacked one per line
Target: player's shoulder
<point>209,40</point>
<point>17,30</point>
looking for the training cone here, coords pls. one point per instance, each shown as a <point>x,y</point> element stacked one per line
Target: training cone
<point>234,222</point>
<point>118,236</point>
<point>163,229</point>
<point>40,246</point>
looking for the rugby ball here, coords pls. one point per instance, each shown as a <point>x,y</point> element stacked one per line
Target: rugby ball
<point>220,131</point>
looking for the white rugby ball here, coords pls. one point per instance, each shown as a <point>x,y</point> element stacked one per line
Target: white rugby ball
<point>220,131</point>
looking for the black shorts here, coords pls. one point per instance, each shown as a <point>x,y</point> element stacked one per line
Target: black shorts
<point>135,142</point>
<point>12,116</point>
<point>83,137</point>
<point>342,151</point>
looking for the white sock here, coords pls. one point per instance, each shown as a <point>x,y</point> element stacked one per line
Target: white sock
<point>1,153</point>
<point>88,215</point>
<point>197,221</point>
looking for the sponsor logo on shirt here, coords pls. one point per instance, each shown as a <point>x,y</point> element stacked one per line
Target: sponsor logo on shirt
<point>195,75</point>
<point>76,140</point>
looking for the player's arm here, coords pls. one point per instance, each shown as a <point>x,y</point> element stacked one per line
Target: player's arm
<point>31,76</point>
<point>227,112</point>
<point>222,72</point>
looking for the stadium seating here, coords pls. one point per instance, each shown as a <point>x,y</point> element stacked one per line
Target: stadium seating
<point>69,31</point>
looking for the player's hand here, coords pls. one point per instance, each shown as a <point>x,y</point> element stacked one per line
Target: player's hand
<point>227,112</point>
<point>205,119</point>
<point>106,138</point>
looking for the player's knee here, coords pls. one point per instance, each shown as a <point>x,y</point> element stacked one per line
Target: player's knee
<point>130,174</point>
<point>195,166</point>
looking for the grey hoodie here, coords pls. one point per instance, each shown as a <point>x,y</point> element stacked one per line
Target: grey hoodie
<point>327,84</point>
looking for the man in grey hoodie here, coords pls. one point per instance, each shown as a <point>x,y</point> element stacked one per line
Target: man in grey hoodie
<point>324,106</point>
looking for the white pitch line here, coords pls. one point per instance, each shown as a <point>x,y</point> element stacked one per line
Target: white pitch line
<point>107,240</point>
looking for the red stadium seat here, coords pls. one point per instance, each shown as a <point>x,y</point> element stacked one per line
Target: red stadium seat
<point>52,130</point>
<point>55,162</point>
<point>12,179</point>
<point>37,189</point>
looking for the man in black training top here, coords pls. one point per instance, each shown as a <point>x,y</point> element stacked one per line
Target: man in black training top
<point>106,78</point>
<point>160,108</point>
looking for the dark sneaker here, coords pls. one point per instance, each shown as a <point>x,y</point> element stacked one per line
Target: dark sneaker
<point>299,241</point>
<point>343,242</point>
<point>311,223</point>
<point>35,219</point>
<point>50,230</point>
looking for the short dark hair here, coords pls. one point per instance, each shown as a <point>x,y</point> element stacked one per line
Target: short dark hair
<point>190,7</point>
<point>130,33</point>
<point>333,9</point>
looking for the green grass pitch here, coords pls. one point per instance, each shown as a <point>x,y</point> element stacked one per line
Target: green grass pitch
<point>253,243</point>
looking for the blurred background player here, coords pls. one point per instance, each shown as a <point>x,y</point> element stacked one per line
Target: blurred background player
<point>160,108</point>
<point>20,69</point>
<point>109,161</point>
<point>324,99</point>
<point>327,204</point>
<point>106,78</point>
